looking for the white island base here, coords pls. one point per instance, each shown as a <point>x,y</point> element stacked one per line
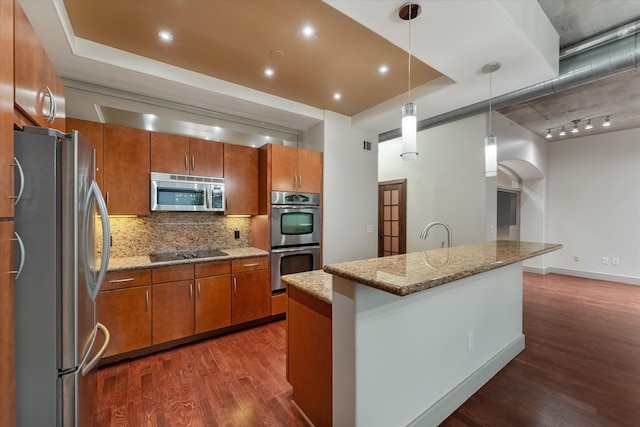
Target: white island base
<point>412,360</point>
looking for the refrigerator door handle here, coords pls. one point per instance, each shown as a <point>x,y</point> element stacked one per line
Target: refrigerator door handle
<point>94,191</point>
<point>21,173</point>
<point>22,255</point>
<point>93,362</point>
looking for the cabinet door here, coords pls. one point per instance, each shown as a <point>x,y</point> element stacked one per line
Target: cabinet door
<point>127,315</point>
<point>213,303</point>
<point>169,153</point>
<point>309,171</point>
<point>6,114</point>
<point>206,157</point>
<point>241,179</point>
<point>7,330</point>
<point>126,170</point>
<point>92,131</point>
<point>251,296</point>
<point>284,168</point>
<point>173,315</point>
<point>39,92</point>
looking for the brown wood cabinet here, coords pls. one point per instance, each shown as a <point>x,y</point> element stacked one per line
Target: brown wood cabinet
<point>127,314</point>
<point>295,169</point>
<point>173,312</point>
<point>39,91</point>
<point>241,179</point>
<point>6,112</point>
<point>251,290</point>
<point>184,155</point>
<point>7,322</point>
<point>213,303</point>
<point>93,132</point>
<point>126,170</point>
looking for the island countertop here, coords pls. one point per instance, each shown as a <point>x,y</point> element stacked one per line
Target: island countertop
<point>316,283</point>
<point>406,274</point>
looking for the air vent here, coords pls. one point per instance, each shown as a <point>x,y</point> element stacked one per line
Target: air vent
<point>366,145</point>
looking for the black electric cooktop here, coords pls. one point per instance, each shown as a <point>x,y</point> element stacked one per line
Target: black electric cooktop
<point>173,256</point>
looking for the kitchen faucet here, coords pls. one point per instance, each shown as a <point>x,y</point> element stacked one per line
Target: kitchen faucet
<point>424,233</point>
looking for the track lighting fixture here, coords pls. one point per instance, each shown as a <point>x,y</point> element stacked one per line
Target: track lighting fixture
<point>606,122</point>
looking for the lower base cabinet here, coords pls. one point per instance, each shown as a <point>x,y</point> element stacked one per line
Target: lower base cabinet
<point>213,303</point>
<point>172,311</point>
<point>251,297</point>
<point>127,315</point>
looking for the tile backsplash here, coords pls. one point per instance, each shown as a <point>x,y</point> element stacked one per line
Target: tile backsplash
<point>175,231</point>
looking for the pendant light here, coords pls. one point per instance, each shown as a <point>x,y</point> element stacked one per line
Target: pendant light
<point>408,12</point>
<point>490,142</point>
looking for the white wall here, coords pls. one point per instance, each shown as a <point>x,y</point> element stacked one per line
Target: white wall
<point>445,183</point>
<point>350,192</point>
<point>594,205</point>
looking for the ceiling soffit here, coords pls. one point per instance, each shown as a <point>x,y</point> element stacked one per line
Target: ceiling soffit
<point>235,40</point>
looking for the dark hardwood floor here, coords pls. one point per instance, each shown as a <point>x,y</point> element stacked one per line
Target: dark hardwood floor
<point>581,367</point>
<point>581,364</point>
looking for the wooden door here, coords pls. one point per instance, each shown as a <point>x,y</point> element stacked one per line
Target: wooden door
<point>309,171</point>
<point>173,311</point>
<point>7,329</point>
<point>127,315</point>
<point>241,179</point>
<point>251,296</point>
<point>392,217</point>
<point>284,168</point>
<point>169,153</point>
<point>213,303</point>
<point>206,157</point>
<point>93,132</point>
<point>126,170</point>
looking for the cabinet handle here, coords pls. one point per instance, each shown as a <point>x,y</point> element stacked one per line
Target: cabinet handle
<point>22,255</point>
<point>300,182</point>
<point>129,279</point>
<point>51,115</point>
<point>198,290</point>
<point>295,181</point>
<point>251,265</point>
<point>186,162</point>
<point>107,198</point>
<point>190,291</point>
<point>21,173</point>
<point>193,163</point>
<point>146,300</point>
<point>235,285</point>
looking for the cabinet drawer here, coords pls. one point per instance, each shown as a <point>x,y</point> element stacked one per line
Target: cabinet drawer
<point>213,268</point>
<point>249,264</point>
<point>172,273</point>
<point>126,279</point>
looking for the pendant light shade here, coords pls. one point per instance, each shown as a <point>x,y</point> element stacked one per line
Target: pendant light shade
<point>409,121</point>
<point>409,132</point>
<point>490,142</point>
<point>490,156</point>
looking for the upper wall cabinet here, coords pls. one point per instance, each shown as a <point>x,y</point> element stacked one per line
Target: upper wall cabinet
<point>241,179</point>
<point>7,193</point>
<point>295,169</point>
<point>39,91</point>
<point>126,170</point>
<point>93,132</point>
<point>184,155</point>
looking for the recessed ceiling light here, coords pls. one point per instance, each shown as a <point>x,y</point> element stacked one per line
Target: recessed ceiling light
<point>606,123</point>
<point>383,69</point>
<point>308,31</point>
<point>337,96</point>
<point>165,36</point>
<point>269,72</point>
<point>549,134</point>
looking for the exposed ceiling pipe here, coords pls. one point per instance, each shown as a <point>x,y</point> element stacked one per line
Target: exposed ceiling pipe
<point>590,64</point>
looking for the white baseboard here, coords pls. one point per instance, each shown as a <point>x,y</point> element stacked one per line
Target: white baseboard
<point>593,275</point>
<point>536,270</point>
<point>444,407</point>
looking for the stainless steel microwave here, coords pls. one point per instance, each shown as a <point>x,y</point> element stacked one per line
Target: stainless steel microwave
<point>173,192</point>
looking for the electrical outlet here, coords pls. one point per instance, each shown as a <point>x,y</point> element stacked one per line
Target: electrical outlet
<point>369,228</point>
<point>605,260</point>
<point>615,261</point>
<point>576,258</point>
<point>236,234</point>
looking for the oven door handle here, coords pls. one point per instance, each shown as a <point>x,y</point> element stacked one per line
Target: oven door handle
<point>294,249</point>
<point>295,207</point>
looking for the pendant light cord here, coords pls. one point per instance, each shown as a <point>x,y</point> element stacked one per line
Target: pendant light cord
<point>410,19</point>
<point>490,91</point>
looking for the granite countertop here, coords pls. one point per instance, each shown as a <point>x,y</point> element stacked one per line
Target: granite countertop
<point>406,274</point>
<point>129,263</point>
<point>316,283</point>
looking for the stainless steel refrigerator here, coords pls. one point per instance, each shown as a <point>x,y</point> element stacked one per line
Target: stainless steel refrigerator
<point>58,208</point>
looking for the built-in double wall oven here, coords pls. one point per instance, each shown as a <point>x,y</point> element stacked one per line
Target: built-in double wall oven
<point>295,235</point>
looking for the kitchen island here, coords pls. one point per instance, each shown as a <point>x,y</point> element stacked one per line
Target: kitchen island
<point>415,335</point>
